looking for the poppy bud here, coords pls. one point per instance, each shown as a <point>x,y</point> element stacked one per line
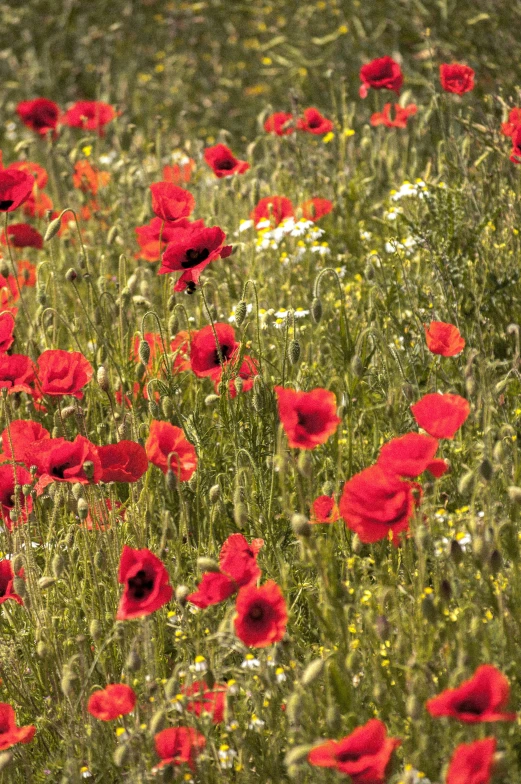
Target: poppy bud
<point>486,470</point>
<point>305,463</point>
<point>167,407</point>
<point>421,536</point>
<point>356,544</point>
<point>240,312</point>
<point>71,275</point>
<point>4,268</point>
<point>171,688</point>
<point>300,525</point>
<point>5,759</point>
<point>83,509</point>
<point>133,661</point>
<point>112,234</point>
<point>297,754</point>
<point>312,672</point>
<point>333,718</point>
<point>413,707</point>
<point>357,366</point>
<point>18,563</point>
<point>67,681</point>
<point>207,565</point>
<point>479,548</point>
<point>470,386</point>
<point>19,586</point>
<point>46,582</point>
<point>429,609</point>
<point>157,722</point>
<point>240,515</point>
<point>514,493</point>
<point>181,594</point>
<point>294,352</point>
<point>96,630</point>
<point>495,561</point>
<point>52,229</point>
<point>144,351</point>
<point>77,490</point>
<point>293,708</point>
<point>383,627</point>
<point>42,649</point>
<point>214,494</point>
<point>41,297</point>
<point>121,755</point>
<point>369,271</point>
<point>68,411</point>
<point>316,310</point>
<point>445,591</point>
<point>170,481</point>
<point>466,482</point>
<point>210,400</point>
<point>499,451</point>
<point>140,370</point>
<point>102,379</point>
<point>153,409</point>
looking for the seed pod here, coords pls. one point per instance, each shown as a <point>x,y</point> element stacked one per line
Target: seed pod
<point>214,494</point>
<point>211,399</point>
<point>499,451</point>
<point>466,482</point>
<point>486,470</point>
<point>181,594</point>
<point>133,661</point>
<point>52,229</point>
<point>316,310</point>
<point>96,629</point>
<point>300,525</point>
<point>294,352</point>
<point>83,508</point>
<point>78,490</point>
<point>240,312</point>
<point>88,469</point>
<point>305,463</point>
<point>102,379</point>
<point>207,565</point>
<point>67,682</point>
<point>312,672</point>
<point>71,275</point>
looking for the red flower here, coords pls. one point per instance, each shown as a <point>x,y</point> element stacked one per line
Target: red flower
<point>179,172</point>
<point>261,615</point>
<point>91,115</point>
<point>514,121</point>
<point>204,353</point>
<point>167,447</point>
<point>37,204</point>
<point>280,123</point>
<point>314,209</point>
<point>246,373</point>
<point>34,169</point>
<point>206,700</point>
<point>148,236</point>
<point>21,235</point>
<point>20,434</point>
<point>441,415</point>
<point>437,467</point>
<point>63,373</point>
<point>272,209</point>
<point>125,461</point>
<point>88,178</point>
<point>146,584</point>
<point>8,489</point>
<point>115,700</point>
<point>10,734</point>
<point>178,746</point>
<point>364,755</point>
<point>192,250</point>
<point>515,153</point>
<point>7,591</point>
<point>314,122</point>
<point>444,339</point>
<point>16,373</point>
<point>58,460</point>
<point>6,331</point>
<point>456,78</point>
<point>169,202</point>
<point>40,115</point>
<point>401,115</point>
<point>214,588</point>
<point>410,455</point>
<point>223,162</point>
<point>483,697</point>
<point>384,73</point>
<point>324,510</point>
<point>308,418</point>
<point>26,273</point>
<point>375,503</point>
<point>472,763</point>
<point>15,187</point>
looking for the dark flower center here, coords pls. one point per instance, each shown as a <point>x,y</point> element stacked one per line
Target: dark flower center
<point>256,613</point>
<point>310,422</point>
<point>194,256</point>
<point>469,706</point>
<point>314,123</point>
<point>225,353</point>
<point>59,470</point>
<point>6,203</point>
<point>349,756</point>
<point>226,164</point>
<point>141,586</point>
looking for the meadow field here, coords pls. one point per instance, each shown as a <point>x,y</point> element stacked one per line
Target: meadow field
<point>260,392</point>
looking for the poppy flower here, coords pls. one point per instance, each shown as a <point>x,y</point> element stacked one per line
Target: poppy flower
<point>279,123</point>
<point>170,202</point>
<point>179,172</point>
<point>90,115</point>
<point>472,763</point>
<point>16,373</point>
<point>437,467</point>
<point>6,588</point>
<point>63,373</point>
<point>167,447</point>
<point>115,700</point>
<point>364,755</point>
<point>314,122</point>
<point>88,178</point>
<point>206,356</point>
<point>324,510</point>
<point>192,250</point>
<point>409,455</point>
<point>308,418</point>
<point>40,115</point>
<point>125,461</point>
<point>214,588</point>
<point>178,746</point>
<point>223,162</point>
<point>514,121</point>
<point>483,697</point>
<point>6,331</point>
<point>37,205</point>
<point>26,273</point>
<point>444,339</point>
<point>515,153</point>
<point>246,373</point>
<point>146,584</point>
<point>441,415</point>
<point>39,173</point>
<point>314,209</point>
<point>21,235</point>
<point>158,230</point>
<point>10,734</point>
<point>11,491</point>
<point>375,503</point>
<point>58,460</point>
<point>238,567</point>
<point>15,187</point>
<point>205,700</point>
<point>456,78</point>
<point>8,293</point>
<point>401,115</point>
<point>384,73</point>
<point>19,435</point>
<point>273,209</point>
<point>261,615</point>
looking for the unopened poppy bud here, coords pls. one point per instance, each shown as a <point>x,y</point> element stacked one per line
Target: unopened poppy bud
<point>83,509</point>
<point>207,565</point>
<point>18,563</point>
<point>211,399</point>
<point>333,718</point>
<point>456,551</point>
<point>479,548</point>
<point>305,463</point>
<point>171,688</point>
<point>68,411</point>
<point>133,661</point>
<point>41,296</point>
<point>486,470</point>
<point>153,409</point>
<point>140,370</point>
<point>132,284</point>
<point>413,707</point>
<point>429,609</point>
<point>112,234</point>
<point>58,565</point>
<point>378,692</point>
<point>300,525</point>
<point>67,681</point>
<point>102,378</point>
<point>470,386</point>
<point>240,312</point>
<point>240,515</point>
<point>499,451</point>
<point>445,591</point>
<point>46,582</point>
<point>294,352</point>
<point>312,672</point>
<point>170,481</point>
<point>167,407</point>
<point>52,229</point>
<point>514,493</point>
<point>214,494</point>
<point>316,310</point>
<point>408,392</point>
<point>157,722</point>
<point>171,303</point>
<point>383,627</point>
<point>356,544</point>
<point>96,629</point>
<point>144,351</point>
<point>42,649</point>
<point>357,366</point>
<point>495,561</point>
<point>421,537</point>
<point>293,707</point>
<point>71,275</point>
<point>19,586</point>
<point>466,482</point>
<point>121,755</point>
<point>369,271</point>
<point>4,268</point>
<point>77,490</point>
<point>181,594</point>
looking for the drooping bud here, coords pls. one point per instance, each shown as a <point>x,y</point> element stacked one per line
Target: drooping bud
<point>71,275</point>
<point>207,565</point>
<point>102,379</point>
<point>294,352</point>
<point>300,525</point>
<point>316,310</point>
<point>214,494</point>
<point>52,229</point>
<point>305,463</point>
<point>144,351</point>
<point>240,313</point>
<point>181,594</point>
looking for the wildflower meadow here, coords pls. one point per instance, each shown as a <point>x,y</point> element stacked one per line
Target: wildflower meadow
<point>260,392</point>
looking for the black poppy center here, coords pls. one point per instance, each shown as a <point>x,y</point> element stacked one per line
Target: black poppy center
<point>6,203</point>
<point>256,613</point>
<point>194,256</point>
<point>225,353</point>
<point>226,164</point>
<point>469,706</point>
<point>348,756</point>
<point>314,123</point>
<point>141,585</point>
<point>59,470</point>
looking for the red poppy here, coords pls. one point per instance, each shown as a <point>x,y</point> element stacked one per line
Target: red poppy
<point>167,447</point>
<point>178,746</point>
<point>88,178</point>
<point>472,763</point>
<point>246,373</point>
<point>63,373</point>
<point>444,339</point>
<point>146,582</point>
<point>6,587</point>
<point>314,122</point>
<point>384,73</point>
<point>192,250</point>
<point>238,564</point>
<point>20,434</point>
<point>90,115</point>
<point>10,734</point>
<point>483,697</point>
<point>324,510</point>
<point>364,755</point>
<point>308,418</point>
<point>40,115</point>
<point>21,235</point>
<point>375,504</point>
<point>515,153</point>
<point>115,700</point>
<point>205,700</point>
<point>180,348</point>
<point>223,162</point>
<point>456,78</point>
<point>37,205</point>
<point>441,415</point>
<point>401,115</point>
<point>314,209</point>
<point>6,331</point>
<point>179,172</point>
<point>273,209</point>
<point>11,491</point>
<point>125,461</point>
<point>280,123</point>
<point>149,235</point>
<point>437,467</point>
<point>214,588</point>
<point>58,460</point>
<point>15,187</point>
<point>8,293</point>
<point>16,373</point>
<point>34,169</point>
<point>514,121</point>
<point>206,356</point>
<point>409,455</point>
<point>261,615</point>
<point>170,202</point>
<point>26,273</point>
